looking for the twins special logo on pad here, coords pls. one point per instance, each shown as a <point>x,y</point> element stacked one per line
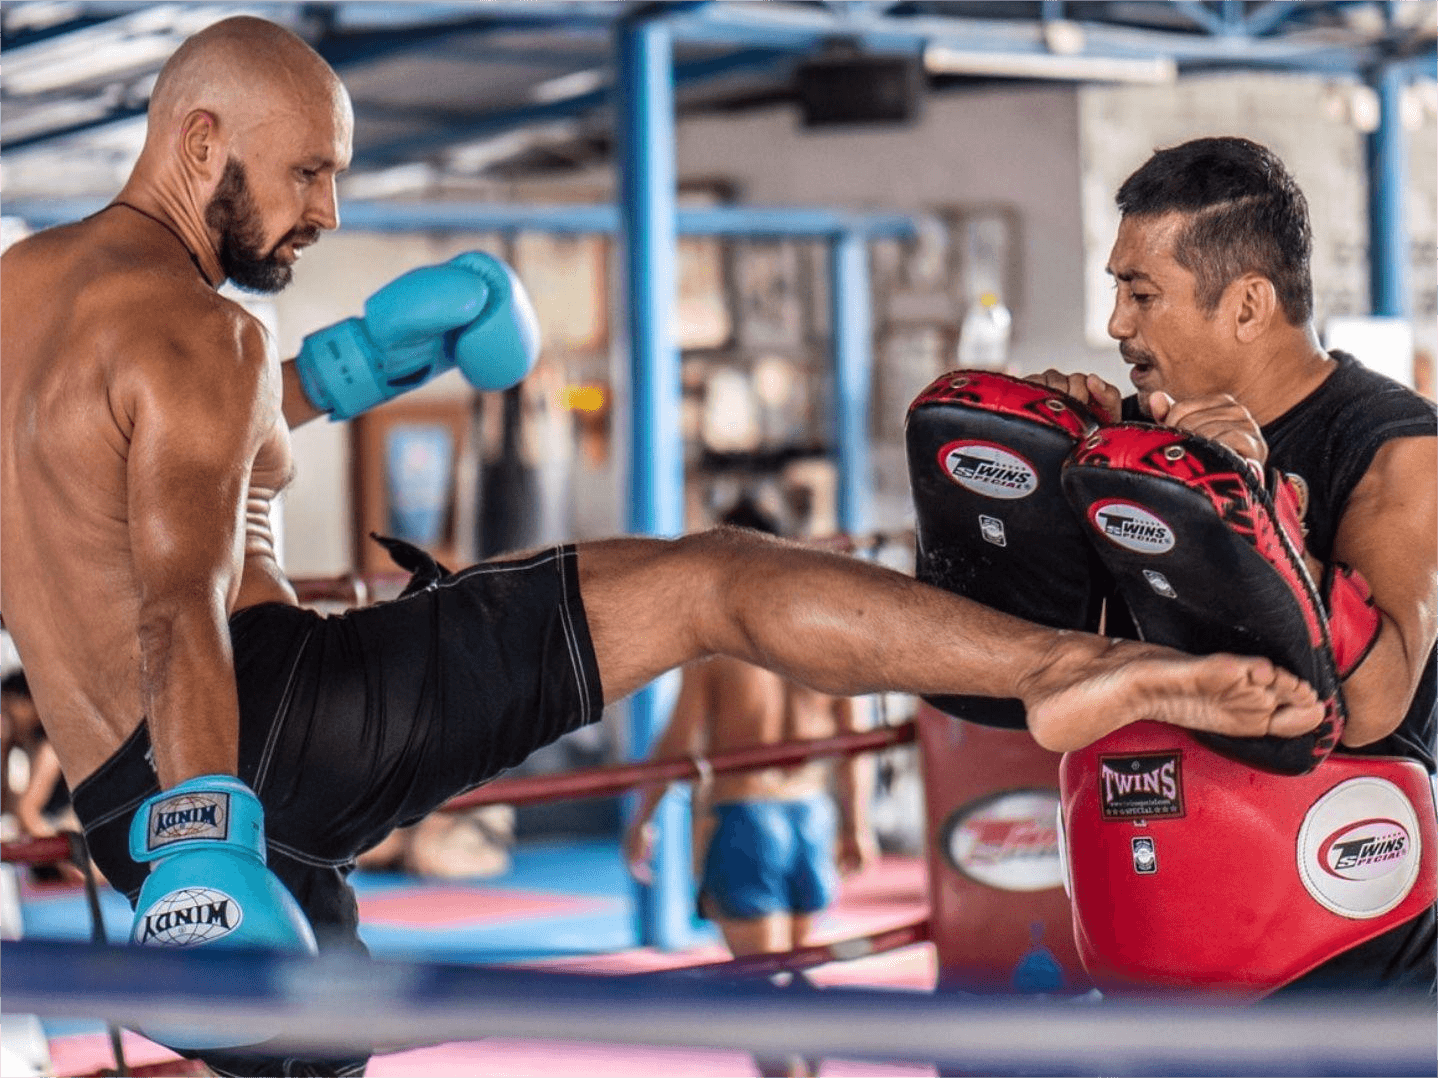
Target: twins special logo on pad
<point>188,816</point>
<point>189,916</point>
<point>1146,786</point>
<point>1358,848</point>
<point>1009,840</point>
<point>1131,527</point>
<point>988,469</point>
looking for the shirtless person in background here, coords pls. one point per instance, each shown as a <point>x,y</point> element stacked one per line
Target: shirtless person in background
<point>144,433</point>
<point>765,839</point>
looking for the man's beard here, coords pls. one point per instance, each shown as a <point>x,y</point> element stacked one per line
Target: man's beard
<point>243,257</point>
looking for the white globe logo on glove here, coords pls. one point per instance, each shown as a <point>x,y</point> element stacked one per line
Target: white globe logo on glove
<point>189,916</point>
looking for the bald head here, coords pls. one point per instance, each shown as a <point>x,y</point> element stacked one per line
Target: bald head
<point>245,72</point>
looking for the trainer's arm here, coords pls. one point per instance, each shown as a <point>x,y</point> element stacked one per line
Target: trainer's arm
<point>1386,533</point>
<point>198,411</point>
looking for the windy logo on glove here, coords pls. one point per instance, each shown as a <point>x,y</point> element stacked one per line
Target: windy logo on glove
<point>188,916</point>
<point>189,816</point>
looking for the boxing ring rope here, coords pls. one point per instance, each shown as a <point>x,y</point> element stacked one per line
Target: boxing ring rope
<point>807,957</point>
<point>40,851</point>
<point>338,1001</point>
<point>603,781</point>
<point>335,1002</point>
<point>620,778</point>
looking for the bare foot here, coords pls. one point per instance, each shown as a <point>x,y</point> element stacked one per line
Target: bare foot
<point>1090,687</point>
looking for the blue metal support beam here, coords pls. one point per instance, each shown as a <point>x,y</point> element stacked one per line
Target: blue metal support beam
<point>800,222</point>
<point>1271,16</point>
<point>851,325</point>
<point>1202,16</point>
<point>766,36</point>
<point>1387,222</point>
<point>656,451</point>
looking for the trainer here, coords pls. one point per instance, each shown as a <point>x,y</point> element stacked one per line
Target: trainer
<point>1213,312</point>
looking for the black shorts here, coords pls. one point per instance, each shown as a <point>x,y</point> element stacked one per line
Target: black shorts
<point>354,723</point>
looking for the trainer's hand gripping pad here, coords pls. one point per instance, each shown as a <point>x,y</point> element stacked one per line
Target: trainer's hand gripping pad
<point>1204,564</point>
<point>985,452</point>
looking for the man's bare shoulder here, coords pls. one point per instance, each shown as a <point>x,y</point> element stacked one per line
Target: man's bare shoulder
<point>133,304</point>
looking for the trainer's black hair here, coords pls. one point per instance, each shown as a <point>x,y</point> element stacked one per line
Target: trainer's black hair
<point>746,514</point>
<point>1245,213</point>
<point>15,684</point>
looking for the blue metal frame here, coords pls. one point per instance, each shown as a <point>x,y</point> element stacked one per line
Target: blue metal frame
<point>656,452</point>
<point>762,35</point>
<point>800,222</point>
<point>851,324</point>
<point>1388,271</point>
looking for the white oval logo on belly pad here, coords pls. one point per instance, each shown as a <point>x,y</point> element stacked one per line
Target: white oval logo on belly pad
<point>1358,848</point>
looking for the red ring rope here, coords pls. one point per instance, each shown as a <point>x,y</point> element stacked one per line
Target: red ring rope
<point>36,851</point>
<point>589,782</point>
<point>619,778</point>
<point>890,939</point>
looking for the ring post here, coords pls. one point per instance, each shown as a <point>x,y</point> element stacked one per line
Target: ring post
<point>645,60</point>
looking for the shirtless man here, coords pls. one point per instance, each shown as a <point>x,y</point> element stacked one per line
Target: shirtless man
<point>768,836</point>
<point>204,721</point>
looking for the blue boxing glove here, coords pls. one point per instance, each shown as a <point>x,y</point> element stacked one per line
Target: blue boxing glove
<point>471,311</point>
<point>209,885</point>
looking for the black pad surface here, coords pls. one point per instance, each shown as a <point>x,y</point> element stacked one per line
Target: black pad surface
<point>984,454</point>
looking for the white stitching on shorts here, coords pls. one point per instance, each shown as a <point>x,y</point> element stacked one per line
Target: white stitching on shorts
<point>128,806</point>
<point>571,638</point>
<point>500,567</point>
<point>282,713</point>
<point>305,858</point>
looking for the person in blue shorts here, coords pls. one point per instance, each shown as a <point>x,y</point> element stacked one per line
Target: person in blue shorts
<point>770,844</point>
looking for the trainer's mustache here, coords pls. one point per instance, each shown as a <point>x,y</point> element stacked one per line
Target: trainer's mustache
<point>1137,356</point>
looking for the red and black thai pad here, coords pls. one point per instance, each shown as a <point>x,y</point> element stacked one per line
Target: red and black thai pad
<point>1204,564</point>
<point>985,452</point>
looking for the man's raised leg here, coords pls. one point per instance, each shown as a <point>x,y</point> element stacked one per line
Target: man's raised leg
<point>847,627</point>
